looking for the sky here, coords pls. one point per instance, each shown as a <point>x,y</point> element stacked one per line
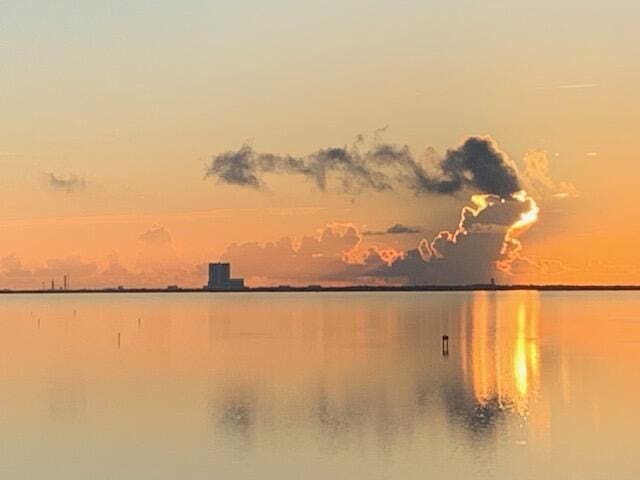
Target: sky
<point>114,113</point>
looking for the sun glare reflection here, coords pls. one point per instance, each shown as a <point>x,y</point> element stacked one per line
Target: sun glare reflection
<point>521,372</point>
<point>504,352</point>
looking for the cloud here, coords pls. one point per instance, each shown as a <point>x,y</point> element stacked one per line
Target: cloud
<point>57,267</point>
<point>97,273</point>
<point>477,165</point>
<point>157,235</point>
<point>482,246</point>
<point>14,274</point>
<point>245,168</point>
<point>333,256</point>
<point>539,182</point>
<point>69,183</point>
<point>570,86</point>
<point>396,229</point>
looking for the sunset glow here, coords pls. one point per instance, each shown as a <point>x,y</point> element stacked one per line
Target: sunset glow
<point>528,218</point>
<point>135,152</point>
<point>320,239</point>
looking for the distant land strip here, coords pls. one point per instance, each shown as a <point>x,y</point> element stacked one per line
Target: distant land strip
<point>354,288</point>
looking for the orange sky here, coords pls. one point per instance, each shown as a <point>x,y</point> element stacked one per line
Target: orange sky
<point>111,114</point>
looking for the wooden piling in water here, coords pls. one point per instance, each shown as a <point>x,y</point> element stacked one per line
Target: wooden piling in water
<point>445,345</point>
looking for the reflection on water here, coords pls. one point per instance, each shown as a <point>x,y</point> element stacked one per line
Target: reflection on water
<point>500,354</point>
<point>328,385</point>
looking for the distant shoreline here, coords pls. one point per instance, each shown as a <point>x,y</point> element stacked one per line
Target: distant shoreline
<point>355,288</point>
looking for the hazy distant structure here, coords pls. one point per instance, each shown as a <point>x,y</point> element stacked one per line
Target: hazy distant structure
<point>66,282</point>
<point>220,278</point>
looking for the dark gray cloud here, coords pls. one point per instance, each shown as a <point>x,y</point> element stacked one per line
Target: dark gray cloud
<point>66,183</point>
<point>245,168</point>
<point>477,165</point>
<point>396,229</point>
<point>236,168</point>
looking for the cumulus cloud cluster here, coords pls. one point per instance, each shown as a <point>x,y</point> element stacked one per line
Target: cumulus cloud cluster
<point>331,256</point>
<point>477,165</point>
<point>483,243</point>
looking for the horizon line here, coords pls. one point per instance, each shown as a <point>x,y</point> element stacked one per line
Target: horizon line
<point>351,288</point>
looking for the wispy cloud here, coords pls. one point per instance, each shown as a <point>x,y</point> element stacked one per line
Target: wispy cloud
<point>69,183</point>
<point>569,86</point>
<point>294,211</point>
<point>478,164</point>
<point>396,229</point>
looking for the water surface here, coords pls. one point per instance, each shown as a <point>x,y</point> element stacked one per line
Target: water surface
<point>320,385</point>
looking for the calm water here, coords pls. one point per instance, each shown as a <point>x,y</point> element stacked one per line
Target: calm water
<point>197,386</point>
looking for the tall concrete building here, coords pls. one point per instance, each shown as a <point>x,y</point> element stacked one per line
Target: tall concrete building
<point>220,278</point>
